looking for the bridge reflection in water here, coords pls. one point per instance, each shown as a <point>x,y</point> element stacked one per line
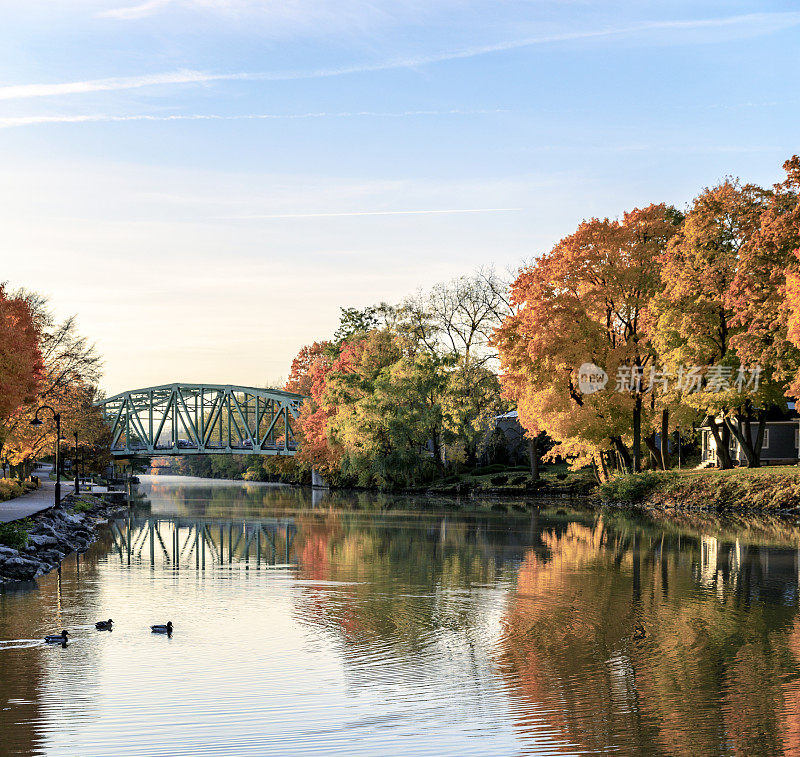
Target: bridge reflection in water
<point>198,542</point>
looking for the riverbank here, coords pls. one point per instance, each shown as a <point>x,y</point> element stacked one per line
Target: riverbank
<point>771,489</point>
<point>32,547</point>
<point>554,480</point>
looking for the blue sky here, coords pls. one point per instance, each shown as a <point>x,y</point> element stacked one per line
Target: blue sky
<point>205,181</point>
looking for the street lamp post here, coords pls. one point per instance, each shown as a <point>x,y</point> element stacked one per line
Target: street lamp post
<point>77,479</point>
<point>38,422</point>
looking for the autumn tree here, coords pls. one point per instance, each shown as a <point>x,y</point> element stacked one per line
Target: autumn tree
<point>21,365</point>
<point>382,419</point>
<point>308,376</point>
<point>720,309</point>
<point>67,382</point>
<point>767,290</point>
<point>586,302</point>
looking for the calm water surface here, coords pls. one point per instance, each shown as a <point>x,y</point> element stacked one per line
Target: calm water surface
<point>374,626</point>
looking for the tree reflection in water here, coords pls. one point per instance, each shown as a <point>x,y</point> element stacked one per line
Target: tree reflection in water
<point>716,672</point>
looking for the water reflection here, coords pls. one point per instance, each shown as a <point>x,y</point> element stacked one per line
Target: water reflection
<point>366,625</point>
<point>716,672</point>
<point>182,542</point>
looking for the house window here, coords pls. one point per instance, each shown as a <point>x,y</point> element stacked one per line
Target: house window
<point>797,438</point>
<point>765,441</point>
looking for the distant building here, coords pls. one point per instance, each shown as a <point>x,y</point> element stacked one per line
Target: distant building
<point>506,441</point>
<point>780,445</point>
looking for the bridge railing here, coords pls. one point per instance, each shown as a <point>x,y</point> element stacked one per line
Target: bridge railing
<point>186,419</point>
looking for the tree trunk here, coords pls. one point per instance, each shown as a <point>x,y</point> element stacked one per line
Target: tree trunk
<point>762,426</point>
<point>437,450</point>
<point>603,465</point>
<point>637,434</point>
<point>665,439</point>
<point>751,447</point>
<point>748,434</point>
<point>747,448</point>
<point>596,471</point>
<point>533,456</point>
<point>624,455</point>
<point>655,453</point>
<point>720,434</point>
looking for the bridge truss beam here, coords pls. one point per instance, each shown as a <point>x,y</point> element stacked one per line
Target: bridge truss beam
<point>202,419</point>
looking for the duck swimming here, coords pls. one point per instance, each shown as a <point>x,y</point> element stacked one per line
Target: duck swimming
<point>167,628</point>
<point>104,625</point>
<point>57,638</point>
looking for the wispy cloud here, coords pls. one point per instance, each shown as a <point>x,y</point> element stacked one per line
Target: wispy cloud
<point>135,11</point>
<point>752,23</point>
<point>17,121</point>
<point>25,91</point>
<point>259,216</point>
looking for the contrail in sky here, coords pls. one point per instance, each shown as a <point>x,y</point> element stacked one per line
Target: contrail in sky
<point>256,217</point>
<point>766,22</point>
<point>12,121</point>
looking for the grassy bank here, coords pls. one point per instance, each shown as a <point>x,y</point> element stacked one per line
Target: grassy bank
<point>499,479</point>
<point>770,488</point>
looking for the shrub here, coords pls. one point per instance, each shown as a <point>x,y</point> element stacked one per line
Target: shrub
<point>634,487</point>
<point>517,480</point>
<point>485,470</point>
<point>14,535</point>
<point>499,480</point>
<point>449,480</point>
<point>561,476</point>
<point>82,506</point>
<point>10,488</point>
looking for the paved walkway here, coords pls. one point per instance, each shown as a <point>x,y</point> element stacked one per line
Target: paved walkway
<point>35,501</point>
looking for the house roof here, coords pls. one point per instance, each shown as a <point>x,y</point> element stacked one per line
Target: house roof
<point>774,415</point>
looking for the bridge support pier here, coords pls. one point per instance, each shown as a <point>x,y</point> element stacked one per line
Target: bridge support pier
<point>317,481</point>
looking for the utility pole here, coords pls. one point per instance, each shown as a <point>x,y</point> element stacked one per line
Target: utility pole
<point>77,477</point>
<point>38,422</point>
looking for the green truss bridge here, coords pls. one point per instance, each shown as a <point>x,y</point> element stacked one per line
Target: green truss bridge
<point>202,419</point>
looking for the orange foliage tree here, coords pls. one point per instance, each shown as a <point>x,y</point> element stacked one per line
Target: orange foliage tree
<point>723,306</point>
<point>21,366</point>
<point>67,380</point>
<point>308,374</point>
<point>586,302</point>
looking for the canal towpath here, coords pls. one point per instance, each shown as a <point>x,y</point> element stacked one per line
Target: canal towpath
<point>35,501</point>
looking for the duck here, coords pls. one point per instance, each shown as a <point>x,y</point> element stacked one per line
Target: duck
<point>57,638</point>
<point>639,631</point>
<point>166,628</point>
<point>104,625</point>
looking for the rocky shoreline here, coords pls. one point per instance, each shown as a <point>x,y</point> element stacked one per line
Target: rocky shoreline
<point>55,533</point>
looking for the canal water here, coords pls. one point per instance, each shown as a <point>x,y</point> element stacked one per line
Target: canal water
<point>369,625</point>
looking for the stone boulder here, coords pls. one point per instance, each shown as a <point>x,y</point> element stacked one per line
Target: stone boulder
<point>42,541</point>
<point>20,568</point>
<point>7,552</point>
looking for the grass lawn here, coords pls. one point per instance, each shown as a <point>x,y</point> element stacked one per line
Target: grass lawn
<point>768,488</point>
<point>515,478</point>
<point>789,471</point>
